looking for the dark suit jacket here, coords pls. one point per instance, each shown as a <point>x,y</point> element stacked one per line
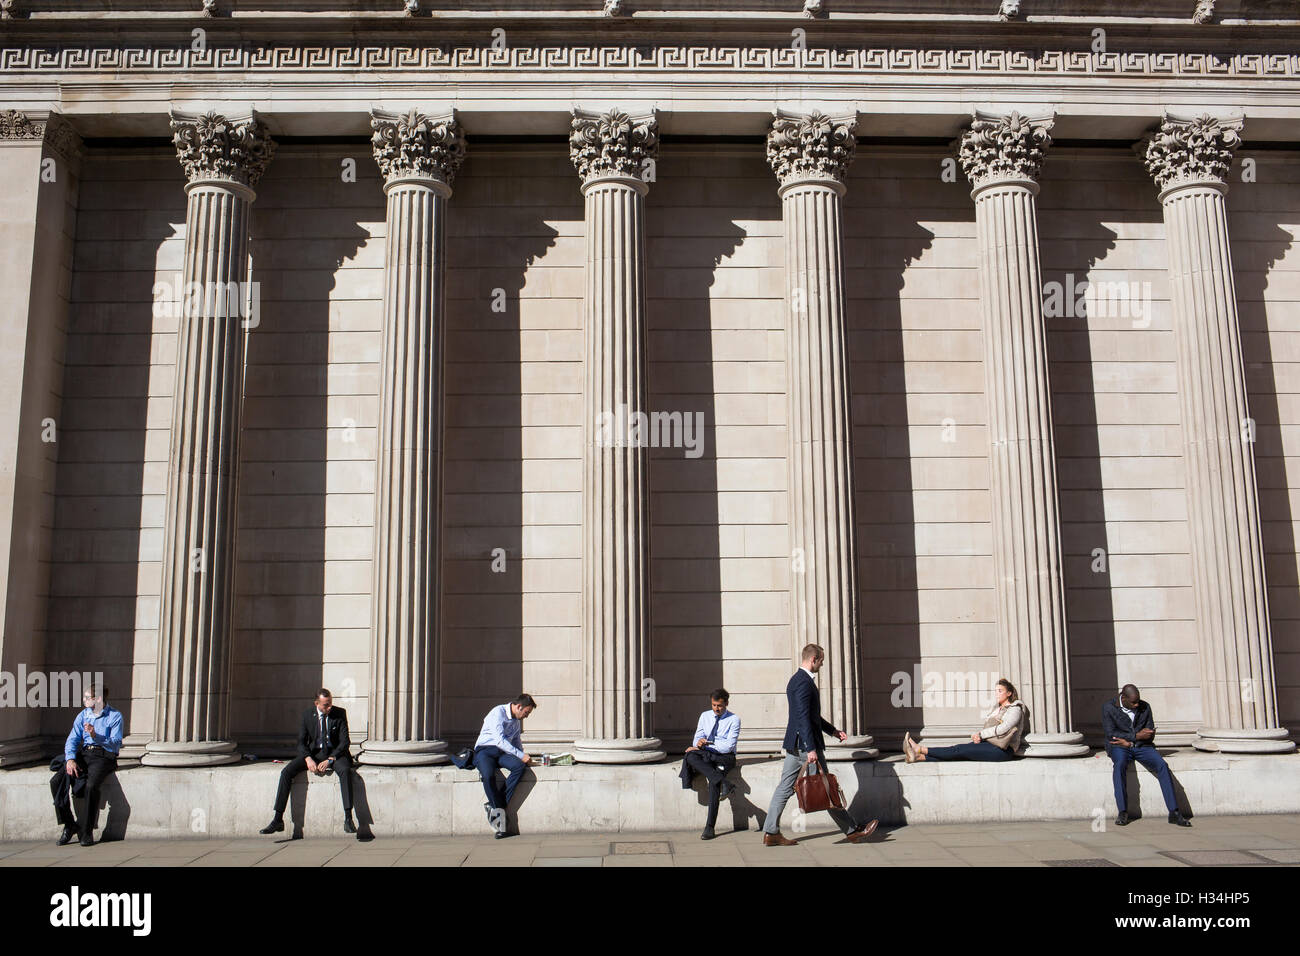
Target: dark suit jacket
<point>804,729</point>
<point>1115,723</point>
<point>336,732</point>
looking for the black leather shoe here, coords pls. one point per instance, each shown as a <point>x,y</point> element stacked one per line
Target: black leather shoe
<point>1178,819</point>
<point>66,836</point>
<point>275,826</point>
<point>726,790</point>
<point>1122,819</point>
<point>501,834</point>
<point>707,834</point>
<point>87,840</point>
<point>348,825</point>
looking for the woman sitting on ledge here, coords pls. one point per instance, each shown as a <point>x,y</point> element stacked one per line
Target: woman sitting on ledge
<point>998,740</point>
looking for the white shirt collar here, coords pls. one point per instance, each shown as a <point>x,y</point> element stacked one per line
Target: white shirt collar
<point>808,672</point>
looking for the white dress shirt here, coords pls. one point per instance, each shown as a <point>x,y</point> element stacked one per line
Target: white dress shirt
<point>501,729</point>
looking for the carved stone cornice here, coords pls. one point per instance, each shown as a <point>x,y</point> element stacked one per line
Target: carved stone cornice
<point>1204,12</point>
<point>458,53</point>
<point>415,145</point>
<point>1000,147</point>
<point>810,147</point>
<point>1009,10</point>
<point>215,148</point>
<point>1189,150</point>
<point>612,144</point>
<point>17,127</point>
<point>15,124</point>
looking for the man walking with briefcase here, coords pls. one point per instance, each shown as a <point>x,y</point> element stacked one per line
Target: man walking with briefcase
<point>804,744</point>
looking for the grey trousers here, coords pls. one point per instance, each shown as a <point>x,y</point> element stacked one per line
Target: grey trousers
<point>785,790</point>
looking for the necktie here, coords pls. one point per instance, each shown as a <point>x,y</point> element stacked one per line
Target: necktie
<point>717,719</point>
<point>322,730</point>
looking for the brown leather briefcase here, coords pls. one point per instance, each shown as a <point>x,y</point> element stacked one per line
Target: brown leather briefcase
<point>818,791</point>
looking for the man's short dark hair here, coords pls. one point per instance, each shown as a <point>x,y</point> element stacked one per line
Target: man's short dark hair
<point>96,691</point>
<point>524,700</point>
<point>324,692</point>
<point>720,694</point>
<point>813,652</point>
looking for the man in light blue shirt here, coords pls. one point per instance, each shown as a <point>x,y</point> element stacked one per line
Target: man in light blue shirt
<point>91,751</point>
<point>499,746</point>
<point>713,754</point>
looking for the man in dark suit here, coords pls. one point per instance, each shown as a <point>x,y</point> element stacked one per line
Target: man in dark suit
<point>1129,729</point>
<point>322,746</point>
<point>804,744</point>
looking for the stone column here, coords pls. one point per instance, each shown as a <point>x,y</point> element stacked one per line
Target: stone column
<point>810,154</point>
<point>223,157</point>
<point>1189,159</point>
<point>611,152</point>
<point>1001,155</point>
<point>40,158</point>
<point>418,156</point>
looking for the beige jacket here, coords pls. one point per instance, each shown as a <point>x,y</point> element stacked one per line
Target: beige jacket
<point>1002,726</point>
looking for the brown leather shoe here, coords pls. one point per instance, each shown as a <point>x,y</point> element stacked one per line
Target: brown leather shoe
<point>861,836</point>
<point>775,839</point>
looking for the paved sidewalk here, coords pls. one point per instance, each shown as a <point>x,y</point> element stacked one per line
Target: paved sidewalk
<point>1213,841</point>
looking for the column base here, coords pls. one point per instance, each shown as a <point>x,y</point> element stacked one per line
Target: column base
<point>189,753</point>
<point>403,753</point>
<point>1055,745</point>
<point>1273,741</point>
<point>612,750</point>
<point>14,753</point>
<point>852,748</point>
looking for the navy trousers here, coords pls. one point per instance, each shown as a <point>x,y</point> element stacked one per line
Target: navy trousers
<point>1149,757</point>
<point>487,760</point>
<point>972,751</point>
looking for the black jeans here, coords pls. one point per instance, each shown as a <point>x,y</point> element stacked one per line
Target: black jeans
<point>95,767</point>
<point>715,768</point>
<point>342,767</point>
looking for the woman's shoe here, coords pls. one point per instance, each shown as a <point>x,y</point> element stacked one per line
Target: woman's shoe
<point>909,752</point>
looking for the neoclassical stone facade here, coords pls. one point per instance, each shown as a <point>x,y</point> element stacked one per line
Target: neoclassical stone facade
<point>317,326</point>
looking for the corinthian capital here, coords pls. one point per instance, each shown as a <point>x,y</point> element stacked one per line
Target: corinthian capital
<point>413,144</point>
<point>810,147</point>
<point>1004,146</point>
<point>1187,150</point>
<point>612,143</point>
<point>216,148</point>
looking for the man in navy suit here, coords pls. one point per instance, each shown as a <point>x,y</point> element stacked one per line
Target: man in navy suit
<point>804,744</point>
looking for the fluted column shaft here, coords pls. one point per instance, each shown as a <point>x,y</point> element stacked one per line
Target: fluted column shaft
<point>1002,155</point>
<point>617,693</point>
<point>419,156</point>
<point>192,717</point>
<point>1238,693</point>
<point>810,154</point>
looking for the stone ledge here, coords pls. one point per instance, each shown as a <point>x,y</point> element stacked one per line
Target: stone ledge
<point>236,800</point>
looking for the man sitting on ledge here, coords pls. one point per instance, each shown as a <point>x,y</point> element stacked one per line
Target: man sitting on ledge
<point>91,751</point>
<point>322,746</point>
<point>1129,728</point>
<point>500,745</point>
<point>713,754</point>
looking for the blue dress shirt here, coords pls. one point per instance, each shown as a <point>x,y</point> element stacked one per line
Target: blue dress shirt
<point>724,742</point>
<point>501,730</point>
<point>108,732</point>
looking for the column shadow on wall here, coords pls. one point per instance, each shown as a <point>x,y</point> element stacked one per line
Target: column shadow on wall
<point>683,254</point>
<point>304,229</point>
<point>1089,602</point>
<point>491,245</point>
<point>1277,527</point>
<point>100,503</point>
<point>889,623</point>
